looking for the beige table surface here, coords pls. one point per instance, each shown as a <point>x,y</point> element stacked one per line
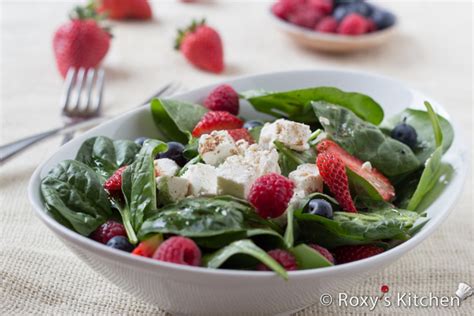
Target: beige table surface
<point>432,52</point>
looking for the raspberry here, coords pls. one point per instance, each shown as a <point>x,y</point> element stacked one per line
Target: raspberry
<point>333,172</point>
<point>346,254</point>
<point>324,252</point>
<point>216,120</point>
<point>325,6</point>
<point>371,26</point>
<point>284,8</point>
<point>270,195</point>
<point>107,231</point>
<point>148,246</point>
<point>353,24</point>
<point>241,133</point>
<point>180,250</point>
<point>327,25</point>
<point>223,98</point>
<point>114,183</point>
<point>284,258</point>
<point>305,17</point>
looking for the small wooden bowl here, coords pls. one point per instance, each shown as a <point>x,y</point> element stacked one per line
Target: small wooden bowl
<point>330,42</point>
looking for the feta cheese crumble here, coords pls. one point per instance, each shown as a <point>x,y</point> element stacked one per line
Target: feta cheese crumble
<point>171,189</point>
<point>202,179</point>
<point>165,167</point>
<point>291,134</point>
<point>307,179</point>
<point>214,148</point>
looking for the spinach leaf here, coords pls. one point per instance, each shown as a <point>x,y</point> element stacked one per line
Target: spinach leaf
<point>191,162</point>
<point>191,149</point>
<point>264,237</point>
<point>308,258</point>
<point>361,188</point>
<point>139,186</point>
<point>176,119</point>
<point>203,217</point>
<point>295,105</point>
<point>105,155</point>
<point>355,228</point>
<point>365,140</point>
<point>243,247</point>
<point>255,133</point>
<point>73,193</point>
<point>290,159</point>
<point>426,137</point>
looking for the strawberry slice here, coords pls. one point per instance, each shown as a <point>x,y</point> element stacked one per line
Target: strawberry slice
<point>241,133</point>
<point>148,247</point>
<point>372,175</point>
<point>215,121</point>
<point>333,172</point>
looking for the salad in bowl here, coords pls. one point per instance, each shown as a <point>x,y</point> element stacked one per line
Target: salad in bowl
<point>323,180</point>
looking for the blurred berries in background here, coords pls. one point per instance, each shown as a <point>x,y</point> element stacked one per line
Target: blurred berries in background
<point>124,9</point>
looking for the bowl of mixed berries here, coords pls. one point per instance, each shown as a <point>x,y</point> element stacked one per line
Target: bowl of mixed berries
<point>334,25</point>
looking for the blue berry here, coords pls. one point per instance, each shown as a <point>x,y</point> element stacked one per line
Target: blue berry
<point>140,140</point>
<point>120,243</point>
<point>174,152</point>
<point>252,124</point>
<point>320,207</point>
<point>360,8</point>
<point>405,133</point>
<point>382,18</point>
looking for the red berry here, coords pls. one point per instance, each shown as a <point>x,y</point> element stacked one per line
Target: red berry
<point>325,6</point>
<point>283,8</point>
<point>323,251</point>
<point>384,288</point>
<point>180,250</point>
<point>371,26</point>
<point>216,120</point>
<point>270,195</point>
<point>305,17</point>
<point>353,24</point>
<point>202,47</point>
<point>372,175</point>
<point>346,254</point>
<point>333,172</point>
<point>114,183</point>
<point>284,258</point>
<point>148,246</point>
<point>241,133</point>
<point>107,231</point>
<point>223,98</point>
<point>327,25</point>
<point>126,9</point>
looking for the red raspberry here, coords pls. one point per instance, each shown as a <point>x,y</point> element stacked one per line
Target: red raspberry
<point>353,24</point>
<point>223,98</point>
<point>216,120</point>
<point>180,250</point>
<point>333,172</point>
<point>270,195</point>
<point>114,183</point>
<point>346,254</point>
<point>106,231</point>
<point>305,16</point>
<point>241,133</point>
<point>327,25</point>
<point>323,251</point>
<point>325,6</point>
<point>284,8</point>
<point>286,259</point>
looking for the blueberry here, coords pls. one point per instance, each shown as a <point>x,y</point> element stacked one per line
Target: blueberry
<point>174,152</point>
<point>382,18</point>
<point>320,207</point>
<point>405,133</point>
<point>120,243</point>
<point>140,140</point>
<point>343,10</point>
<point>252,124</point>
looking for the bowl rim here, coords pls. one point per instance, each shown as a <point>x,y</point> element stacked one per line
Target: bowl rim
<point>333,37</point>
<point>148,264</point>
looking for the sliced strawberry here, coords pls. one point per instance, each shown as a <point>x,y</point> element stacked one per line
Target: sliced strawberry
<point>148,247</point>
<point>333,172</point>
<point>215,121</point>
<point>241,133</point>
<point>372,175</point>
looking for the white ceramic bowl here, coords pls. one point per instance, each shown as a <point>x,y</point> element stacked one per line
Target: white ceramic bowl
<point>335,43</point>
<point>189,290</point>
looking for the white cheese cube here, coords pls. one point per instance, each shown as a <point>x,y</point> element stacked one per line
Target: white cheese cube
<point>306,179</point>
<point>291,134</point>
<point>265,161</point>
<point>165,167</point>
<point>236,176</point>
<point>202,179</point>
<point>214,148</point>
<point>171,189</point>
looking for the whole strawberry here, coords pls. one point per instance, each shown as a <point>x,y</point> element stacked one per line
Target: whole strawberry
<point>80,42</point>
<point>202,47</point>
<point>125,9</point>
